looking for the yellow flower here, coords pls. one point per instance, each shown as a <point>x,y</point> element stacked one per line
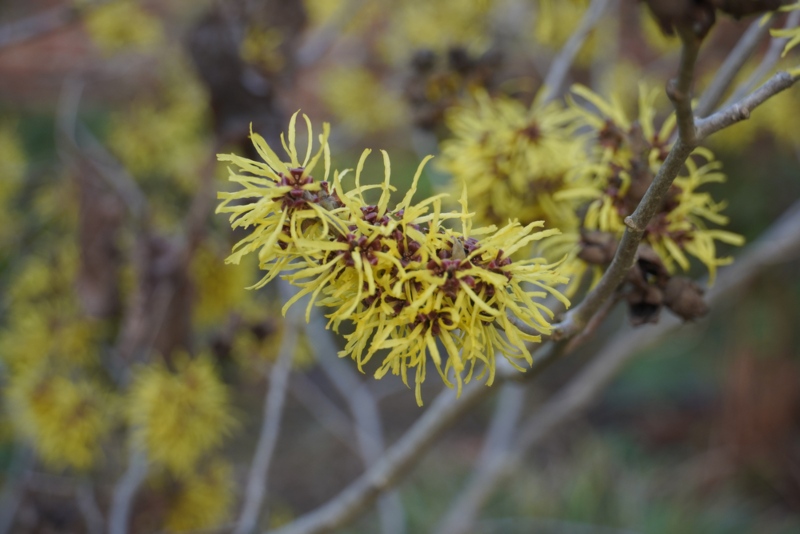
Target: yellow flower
<point>516,162</point>
<point>121,24</point>
<point>180,416</point>
<point>360,100</point>
<point>402,277</point>
<point>64,418</point>
<point>203,499</point>
<point>625,156</point>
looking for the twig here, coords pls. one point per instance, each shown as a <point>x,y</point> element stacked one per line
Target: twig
<point>71,135</point>
<point>87,504</point>
<point>780,243</point>
<point>320,40</point>
<point>10,497</point>
<point>768,63</point>
<point>364,408</point>
<point>396,462</point>
<point>741,110</point>
<point>125,491</point>
<point>323,409</point>
<point>730,67</point>
<point>679,91</point>
<point>554,80</point>
<point>270,429</point>
<point>500,436</point>
<point>36,25</point>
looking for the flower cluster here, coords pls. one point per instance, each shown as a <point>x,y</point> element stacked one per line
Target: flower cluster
<point>179,417</point>
<point>516,162</point>
<point>410,285</point>
<point>583,168</point>
<point>624,158</point>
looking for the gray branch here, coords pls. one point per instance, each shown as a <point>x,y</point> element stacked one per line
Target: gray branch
<point>270,429</point>
<point>747,44</point>
<point>778,244</point>
<point>766,65</point>
<point>554,81</point>
<point>741,110</point>
<point>125,492</point>
<point>364,409</point>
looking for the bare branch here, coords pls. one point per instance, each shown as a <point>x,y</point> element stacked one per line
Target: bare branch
<point>730,67</point>
<point>559,69</point>
<point>679,91</point>
<point>87,504</point>
<point>10,497</point>
<point>766,65</point>
<point>500,435</point>
<point>778,244</point>
<point>71,135</point>
<point>364,408</point>
<point>741,110</point>
<point>37,25</point>
<point>396,462</point>
<point>270,429</point>
<point>320,405</point>
<point>125,491</point>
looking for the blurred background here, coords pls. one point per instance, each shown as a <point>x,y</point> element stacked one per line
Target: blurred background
<point>117,305</point>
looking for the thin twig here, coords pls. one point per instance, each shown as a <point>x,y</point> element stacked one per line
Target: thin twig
<point>364,409</point>
<point>554,80</point>
<point>679,91</point>
<point>125,491</point>
<point>75,141</point>
<point>11,496</point>
<point>396,462</point>
<point>744,48</point>
<point>778,244</point>
<point>741,110</point>
<point>87,504</point>
<point>270,429</point>
<point>500,436</point>
<point>320,405</point>
<point>766,65</point>
<point>37,25</point>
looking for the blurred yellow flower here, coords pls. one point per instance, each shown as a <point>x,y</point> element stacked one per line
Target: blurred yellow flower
<point>64,418</point>
<point>204,498</point>
<point>122,24</point>
<point>179,416</point>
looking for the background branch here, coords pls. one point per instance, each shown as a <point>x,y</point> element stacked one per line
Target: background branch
<point>125,492</point>
<point>744,48</point>
<point>554,81</point>
<point>778,244</point>
<point>367,417</point>
<point>768,62</point>
<point>270,428</point>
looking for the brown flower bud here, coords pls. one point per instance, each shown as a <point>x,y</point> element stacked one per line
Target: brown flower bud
<point>597,248</point>
<point>685,298</point>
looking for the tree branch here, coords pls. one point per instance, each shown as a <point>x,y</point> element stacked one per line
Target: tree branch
<point>554,80</point>
<point>125,491</point>
<point>744,48</point>
<point>367,417</point>
<point>768,63</point>
<point>778,244</point>
<point>270,428</point>
<point>679,91</point>
<point>741,110</point>
<point>396,462</point>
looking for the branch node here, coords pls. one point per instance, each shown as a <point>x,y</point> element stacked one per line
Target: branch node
<point>630,223</point>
